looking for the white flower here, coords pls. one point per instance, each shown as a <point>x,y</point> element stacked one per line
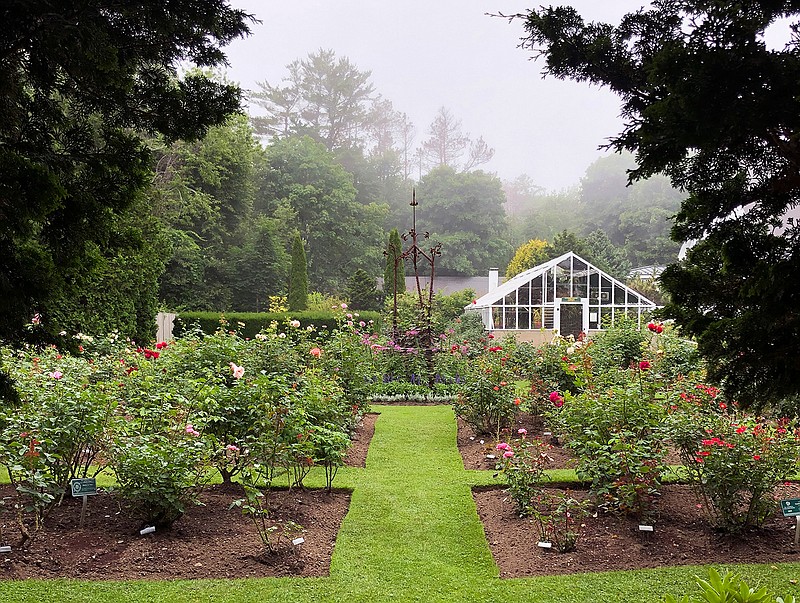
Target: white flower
<point>282,335</point>
<point>294,323</point>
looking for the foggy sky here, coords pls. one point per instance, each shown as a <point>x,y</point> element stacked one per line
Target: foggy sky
<point>428,54</point>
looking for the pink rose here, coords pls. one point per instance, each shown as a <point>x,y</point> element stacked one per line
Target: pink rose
<point>238,371</point>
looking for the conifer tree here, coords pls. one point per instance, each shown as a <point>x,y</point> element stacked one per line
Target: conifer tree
<point>298,277</point>
<point>362,291</point>
<point>395,273</point>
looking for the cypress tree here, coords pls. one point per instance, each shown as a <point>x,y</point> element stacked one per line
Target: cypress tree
<point>393,250</point>
<point>362,291</point>
<point>298,277</point>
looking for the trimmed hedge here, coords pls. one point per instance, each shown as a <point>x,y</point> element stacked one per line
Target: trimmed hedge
<point>255,322</point>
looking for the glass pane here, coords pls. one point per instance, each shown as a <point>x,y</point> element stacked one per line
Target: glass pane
<point>548,322</point>
<point>606,289</point>
<point>563,288</point>
<point>524,318</point>
<point>497,317</point>
<point>536,318</point>
<point>594,317</point>
<point>524,294</point>
<point>510,299</point>
<point>606,319</point>
<point>619,295</point>
<point>536,291</point>
<point>511,319</point>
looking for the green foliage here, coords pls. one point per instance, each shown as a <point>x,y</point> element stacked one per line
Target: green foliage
<point>57,429</point>
<point>464,211</point>
<point>249,325</point>
<point>158,475</point>
<point>298,277</point>
<point>76,100</point>
<point>313,192</point>
<point>527,256</point>
<point>734,461</point>
<point>362,291</point>
<point>617,427</point>
<point>619,346</point>
<point>224,255</point>
<point>487,400</point>
<point>704,96</point>
<point>729,588</point>
<point>558,517</point>
<point>394,274</point>
<point>325,97</point>
<point>522,464</point>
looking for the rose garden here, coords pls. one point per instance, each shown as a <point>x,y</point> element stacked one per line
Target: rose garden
<point>233,468</point>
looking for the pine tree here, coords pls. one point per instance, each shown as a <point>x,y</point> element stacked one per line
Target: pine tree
<point>395,271</point>
<point>298,277</point>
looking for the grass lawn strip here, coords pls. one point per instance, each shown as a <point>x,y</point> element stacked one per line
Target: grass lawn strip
<point>412,534</point>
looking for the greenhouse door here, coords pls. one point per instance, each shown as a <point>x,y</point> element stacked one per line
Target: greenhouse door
<point>572,316</point>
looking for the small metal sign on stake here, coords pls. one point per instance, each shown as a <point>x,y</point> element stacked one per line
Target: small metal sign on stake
<point>791,508</point>
<point>5,549</point>
<point>84,487</point>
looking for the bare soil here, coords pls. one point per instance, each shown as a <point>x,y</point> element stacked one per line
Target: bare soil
<point>682,530</point>
<point>215,541</point>
<point>479,450</point>
<point>209,541</point>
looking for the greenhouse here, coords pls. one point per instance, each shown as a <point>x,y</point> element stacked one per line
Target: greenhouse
<point>566,295</point>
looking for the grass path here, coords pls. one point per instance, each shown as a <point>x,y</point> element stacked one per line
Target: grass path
<point>412,534</point>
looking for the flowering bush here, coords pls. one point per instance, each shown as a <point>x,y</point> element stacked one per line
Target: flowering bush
<point>523,468</point>
<point>735,462</point>
<point>551,367</point>
<point>57,429</point>
<point>618,434</point>
<point>159,475</point>
<point>487,400</point>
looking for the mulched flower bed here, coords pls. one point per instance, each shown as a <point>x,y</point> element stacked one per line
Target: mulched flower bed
<point>479,452</point>
<point>682,533</point>
<point>210,541</point>
<point>681,536</point>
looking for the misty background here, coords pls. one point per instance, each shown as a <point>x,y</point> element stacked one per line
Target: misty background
<point>425,55</point>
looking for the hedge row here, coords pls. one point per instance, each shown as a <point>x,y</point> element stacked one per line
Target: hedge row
<point>254,323</point>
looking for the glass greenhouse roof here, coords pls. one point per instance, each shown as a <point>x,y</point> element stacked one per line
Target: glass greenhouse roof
<point>567,294</point>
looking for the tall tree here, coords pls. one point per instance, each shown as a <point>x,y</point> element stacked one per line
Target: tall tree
<point>709,104</point>
<point>527,256</point>
<point>362,291</point>
<point>77,80</point>
<point>204,192</point>
<point>297,297</point>
<point>394,275</point>
<point>446,145</point>
<point>325,97</point>
<point>464,211</point>
<point>318,198</point>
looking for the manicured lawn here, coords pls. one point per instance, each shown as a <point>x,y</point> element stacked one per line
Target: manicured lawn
<point>412,534</point>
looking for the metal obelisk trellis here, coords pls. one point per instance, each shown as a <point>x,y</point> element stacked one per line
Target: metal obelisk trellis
<point>425,338</point>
